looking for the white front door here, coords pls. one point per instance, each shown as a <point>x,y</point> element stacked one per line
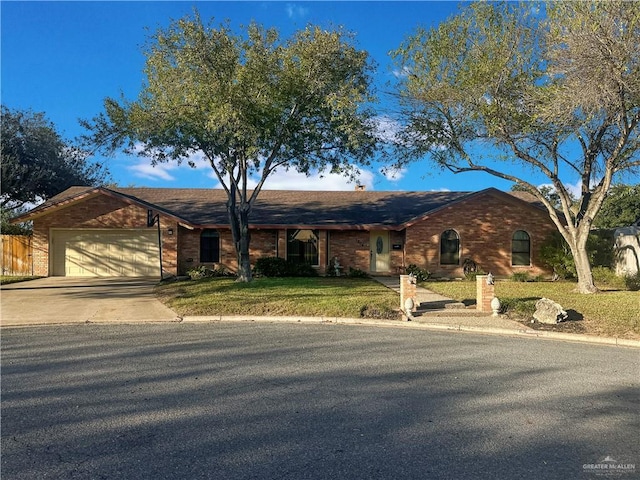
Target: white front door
<point>379,246</point>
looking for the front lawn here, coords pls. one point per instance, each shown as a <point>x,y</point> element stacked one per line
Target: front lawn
<point>610,312</point>
<point>7,279</point>
<point>315,296</point>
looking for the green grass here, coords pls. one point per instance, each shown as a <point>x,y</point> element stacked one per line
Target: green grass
<point>7,279</point>
<point>610,312</point>
<point>319,296</point>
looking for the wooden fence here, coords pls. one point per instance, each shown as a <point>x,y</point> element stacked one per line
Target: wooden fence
<point>17,255</point>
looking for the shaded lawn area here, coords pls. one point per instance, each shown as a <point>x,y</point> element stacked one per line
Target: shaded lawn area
<point>7,279</point>
<point>610,312</point>
<point>315,296</point>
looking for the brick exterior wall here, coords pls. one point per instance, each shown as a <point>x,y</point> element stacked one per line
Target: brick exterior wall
<point>263,244</point>
<point>484,224</point>
<point>351,248</point>
<point>100,212</point>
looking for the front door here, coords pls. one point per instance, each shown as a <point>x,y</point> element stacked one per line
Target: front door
<point>379,246</point>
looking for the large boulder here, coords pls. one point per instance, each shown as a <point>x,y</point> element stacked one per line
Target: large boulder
<point>548,311</point>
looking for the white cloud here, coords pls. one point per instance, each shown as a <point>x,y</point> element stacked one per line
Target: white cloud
<point>162,171</point>
<point>393,174</point>
<point>296,11</point>
<point>144,169</point>
<point>387,129</point>
<point>402,73</point>
<point>292,180</point>
<point>574,189</point>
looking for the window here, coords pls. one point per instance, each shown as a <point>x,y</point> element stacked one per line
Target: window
<point>302,246</point>
<point>449,248</point>
<point>521,248</point>
<point>209,246</point>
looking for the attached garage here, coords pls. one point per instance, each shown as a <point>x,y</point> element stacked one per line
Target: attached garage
<point>105,253</point>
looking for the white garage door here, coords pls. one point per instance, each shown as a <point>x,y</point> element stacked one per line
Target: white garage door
<point>105,253</point>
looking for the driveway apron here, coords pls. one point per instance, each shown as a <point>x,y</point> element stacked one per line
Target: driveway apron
<point>56,300</point>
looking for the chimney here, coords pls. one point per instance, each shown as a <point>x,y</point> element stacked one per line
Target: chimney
<point>360,188</point>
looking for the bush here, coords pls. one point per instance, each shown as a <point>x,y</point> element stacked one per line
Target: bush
<point>471,275</point>
<point>556,254</point>
<point>421,274</point>
<point>521,277</point>
<point>605,277</point>
<point>357,273</point>
<point>518,308</point>
<point>279,267</point>
<point>632,282</point>
<point>271,267</point>
<point>302,270</point>
<point>203,271</point>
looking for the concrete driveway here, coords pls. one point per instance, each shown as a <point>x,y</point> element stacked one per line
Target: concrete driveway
<point>61,300</point>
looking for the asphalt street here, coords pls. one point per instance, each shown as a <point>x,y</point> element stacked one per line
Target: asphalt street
<point>299,401</point>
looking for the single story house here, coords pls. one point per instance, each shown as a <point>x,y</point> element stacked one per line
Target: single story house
<point>89,231</point>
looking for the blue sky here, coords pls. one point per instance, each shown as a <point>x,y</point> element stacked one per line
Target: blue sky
<point>64,58</point>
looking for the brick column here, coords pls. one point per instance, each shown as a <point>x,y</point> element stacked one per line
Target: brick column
<point>484,294</point>
<point>407,291</point>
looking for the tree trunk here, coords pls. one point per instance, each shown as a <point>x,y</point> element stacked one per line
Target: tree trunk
<point>583,266</point>
<point>242,249</point>
<point>239,222</point>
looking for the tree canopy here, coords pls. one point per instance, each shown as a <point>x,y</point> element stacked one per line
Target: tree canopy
<point>38,163</point>
<point>250,103</point>
<point>553,86</point>
<point>621,208</point>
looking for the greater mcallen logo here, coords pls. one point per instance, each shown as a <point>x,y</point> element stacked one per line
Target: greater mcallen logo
<point>609,467</point>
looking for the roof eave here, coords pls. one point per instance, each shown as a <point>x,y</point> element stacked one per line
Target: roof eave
<point>94,192</point>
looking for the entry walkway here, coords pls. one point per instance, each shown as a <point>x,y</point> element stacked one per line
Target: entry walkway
<point>426,298</point>
<point>438,310</point>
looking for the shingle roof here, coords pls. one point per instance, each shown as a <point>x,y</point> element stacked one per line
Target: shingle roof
<point>334,209</point>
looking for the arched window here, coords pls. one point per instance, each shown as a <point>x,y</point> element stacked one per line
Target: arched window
<point>449,248</point>
<point>521,248</point>
<point>209,246</point>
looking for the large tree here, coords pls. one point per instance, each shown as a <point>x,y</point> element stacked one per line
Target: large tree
<point>554,87</point>
<point>38,163</point>
<point>250,103</point>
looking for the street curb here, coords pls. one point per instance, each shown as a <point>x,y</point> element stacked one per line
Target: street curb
<point>450,327</point>
<point>522,333</point>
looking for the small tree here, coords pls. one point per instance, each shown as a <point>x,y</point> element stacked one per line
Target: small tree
<point>554,87</point>
<point>250,104</point>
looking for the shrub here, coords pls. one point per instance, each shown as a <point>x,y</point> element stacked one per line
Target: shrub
<point>279,267</point>
<point>302,270</point>
<point>271,267</point>
<point>471,275</point>
<point>632,282</point>
<point>521,277</point>
<point>367,311</point>
<point>203,271</point>
<point>357,273</point>
<point>517,307</point>
<point>421,274</point>
<point>606,277</point>
<point>556,254</point>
